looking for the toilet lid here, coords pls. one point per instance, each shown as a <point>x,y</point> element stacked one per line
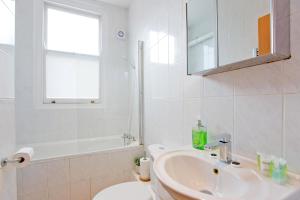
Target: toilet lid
<point>125,191</point>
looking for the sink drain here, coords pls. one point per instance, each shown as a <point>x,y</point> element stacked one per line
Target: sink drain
<point>206,192</point>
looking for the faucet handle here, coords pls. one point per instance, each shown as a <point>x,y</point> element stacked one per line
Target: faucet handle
<point>224,138</point>
<point>212,146</point>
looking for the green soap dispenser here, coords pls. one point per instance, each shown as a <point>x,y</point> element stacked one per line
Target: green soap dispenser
<point>199,136</point>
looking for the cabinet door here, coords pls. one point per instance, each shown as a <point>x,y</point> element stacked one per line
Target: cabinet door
<point>202,35</point>
<point>239,27</point>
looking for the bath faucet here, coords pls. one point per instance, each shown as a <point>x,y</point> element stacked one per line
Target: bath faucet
<point>224,145</point>
<point>129,138</point>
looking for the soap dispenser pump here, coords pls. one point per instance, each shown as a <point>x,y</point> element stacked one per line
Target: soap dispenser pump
<point>199,136</point>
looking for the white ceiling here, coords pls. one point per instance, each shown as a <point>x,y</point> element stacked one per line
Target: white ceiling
<point>123,3</point>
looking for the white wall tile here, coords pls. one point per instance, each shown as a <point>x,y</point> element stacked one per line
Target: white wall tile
<point>159,119</point>
<point>258,80</point>
<point>193,87</point>
<point>291,76</point>
<point>175,121</point>
<point>177,23</point>
<point>258,121</point>
<point>292,131</point>
<point>217,116</point>
<point>219,84</point>
<point>192,111</point>
<point>159,81</point>
<point>176,82</point>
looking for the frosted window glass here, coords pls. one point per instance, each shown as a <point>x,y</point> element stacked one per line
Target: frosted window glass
<point>73,33</point>
<point>7,22</point>
<point>71,77</point>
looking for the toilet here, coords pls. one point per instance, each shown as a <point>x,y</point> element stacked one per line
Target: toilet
<point>132,190</point>
<point>127,191</point>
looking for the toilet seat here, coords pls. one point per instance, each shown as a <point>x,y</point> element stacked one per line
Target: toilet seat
<point>126,191</point>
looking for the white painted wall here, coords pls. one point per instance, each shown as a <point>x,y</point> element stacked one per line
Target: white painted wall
<point>38,123</point>
<point>259,105</point>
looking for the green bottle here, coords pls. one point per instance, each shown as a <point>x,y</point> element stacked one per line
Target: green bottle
<point>199,136</point>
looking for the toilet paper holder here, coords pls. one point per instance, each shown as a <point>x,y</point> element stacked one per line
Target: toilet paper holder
<point>6,161</point>
<point>19,159</point>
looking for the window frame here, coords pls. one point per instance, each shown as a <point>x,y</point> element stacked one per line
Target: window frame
<point>78,11</point>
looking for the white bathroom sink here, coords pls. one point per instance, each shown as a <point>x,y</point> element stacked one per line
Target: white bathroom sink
<point>190,175</point>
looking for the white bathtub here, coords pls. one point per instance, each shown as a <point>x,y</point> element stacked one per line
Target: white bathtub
<point>80,167</point>
<point>71,148</point>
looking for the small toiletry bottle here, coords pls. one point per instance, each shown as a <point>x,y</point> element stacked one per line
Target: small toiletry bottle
<point>199,136</point>
<point>279,173</point>
<point>264,163</point>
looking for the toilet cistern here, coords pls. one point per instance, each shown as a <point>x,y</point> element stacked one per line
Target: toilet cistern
<point>223,143</point>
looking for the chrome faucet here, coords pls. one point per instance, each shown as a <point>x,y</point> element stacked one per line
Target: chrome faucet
<point>224,145</point>
<point>128,139</point>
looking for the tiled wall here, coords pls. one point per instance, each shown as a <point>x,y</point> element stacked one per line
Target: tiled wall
<point>8,186</point>
<point>259,106</point>
<point>77,177</point>
<point>172,99</point>
<point>36,122</point>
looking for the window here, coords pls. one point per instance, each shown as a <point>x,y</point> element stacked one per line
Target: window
<point>72,56</point>
<point>7,40</point>
<point>7,22</point>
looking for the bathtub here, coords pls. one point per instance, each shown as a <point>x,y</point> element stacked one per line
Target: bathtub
<point>73,148</point>
<point>77,168</point>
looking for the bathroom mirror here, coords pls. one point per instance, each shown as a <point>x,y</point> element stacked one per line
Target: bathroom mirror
<point>225,35</point>
<point>202,35</point>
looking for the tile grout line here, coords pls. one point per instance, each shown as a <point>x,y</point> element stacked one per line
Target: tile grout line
<point>69,177</point>
<point>234,115</point>
<point>283,117</point>
<point>283,135</point>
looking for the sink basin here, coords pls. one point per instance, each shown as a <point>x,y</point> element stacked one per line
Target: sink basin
<point>191,175</point>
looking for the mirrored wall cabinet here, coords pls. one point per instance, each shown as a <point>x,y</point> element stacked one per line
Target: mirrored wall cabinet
<point>225,35</point>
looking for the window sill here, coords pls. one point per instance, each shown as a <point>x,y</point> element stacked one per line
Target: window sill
<point>71,106</point>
